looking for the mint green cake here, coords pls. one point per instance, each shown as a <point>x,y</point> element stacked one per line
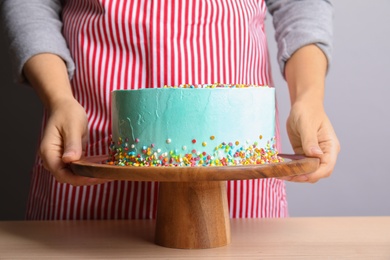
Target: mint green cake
<point>193,125</point>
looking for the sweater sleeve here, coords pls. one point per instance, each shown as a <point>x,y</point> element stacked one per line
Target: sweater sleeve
<point>301,22</point>
<point>34,27</point>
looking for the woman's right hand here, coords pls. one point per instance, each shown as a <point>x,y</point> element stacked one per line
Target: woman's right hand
<point>66,131</point>
<point>64,140</point>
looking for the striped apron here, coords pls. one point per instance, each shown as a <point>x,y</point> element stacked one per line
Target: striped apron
<point>135,44</point>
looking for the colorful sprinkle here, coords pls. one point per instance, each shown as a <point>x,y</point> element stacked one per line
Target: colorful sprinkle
<point>224,154</point>
<point>215,85</point>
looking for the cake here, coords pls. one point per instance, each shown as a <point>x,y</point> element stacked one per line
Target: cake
<point>194,125</point>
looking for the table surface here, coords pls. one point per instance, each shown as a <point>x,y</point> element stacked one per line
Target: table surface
<point>290,238</point>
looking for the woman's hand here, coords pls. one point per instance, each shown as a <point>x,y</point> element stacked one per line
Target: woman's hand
<point>308,126</point>
<point>66,129</point>
<point>311,133</point>
<point>64,141</point>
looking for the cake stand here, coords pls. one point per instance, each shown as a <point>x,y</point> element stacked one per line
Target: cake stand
<point>192,209</point>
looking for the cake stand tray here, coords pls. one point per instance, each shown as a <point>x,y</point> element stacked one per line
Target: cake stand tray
<point>293,165</point>
<point>192,210</point>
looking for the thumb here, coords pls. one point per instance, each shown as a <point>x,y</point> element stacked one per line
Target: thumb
<point>73,147</point>
<point>310,144</point>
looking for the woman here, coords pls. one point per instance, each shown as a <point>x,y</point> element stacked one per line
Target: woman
<point>74,53</point>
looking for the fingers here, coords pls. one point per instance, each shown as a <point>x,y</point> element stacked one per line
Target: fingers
<point>304,137</point>
<point>63,143</point>
<point>310,144</point>
<point>327,162</point>
<point>64,175</point>
<point>315,138</point>
<point>73,146</point>
<point>51,154</point>
<point>324,170</point>
<point>328,158</point>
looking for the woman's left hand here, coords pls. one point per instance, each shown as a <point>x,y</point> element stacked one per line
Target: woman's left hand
<point>311,133</point>
<point>308,127</point>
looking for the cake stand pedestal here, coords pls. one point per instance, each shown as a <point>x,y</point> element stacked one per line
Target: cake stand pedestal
<point>192,215</point>
<point>192,207</point>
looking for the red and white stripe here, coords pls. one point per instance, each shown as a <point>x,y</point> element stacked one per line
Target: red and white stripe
<point>128,44</point>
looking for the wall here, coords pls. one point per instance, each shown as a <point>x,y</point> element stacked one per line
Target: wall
<point>20,119</point>
<point>357,102</point>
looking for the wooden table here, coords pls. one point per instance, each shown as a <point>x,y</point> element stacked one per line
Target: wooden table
<point>291,238</point>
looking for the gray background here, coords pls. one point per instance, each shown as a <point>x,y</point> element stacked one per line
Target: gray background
<point>357,102</point>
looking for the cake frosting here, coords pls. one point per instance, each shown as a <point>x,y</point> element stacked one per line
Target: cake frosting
<point>194,125</point>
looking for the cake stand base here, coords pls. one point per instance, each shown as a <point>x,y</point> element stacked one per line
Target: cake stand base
<point>192,215</point>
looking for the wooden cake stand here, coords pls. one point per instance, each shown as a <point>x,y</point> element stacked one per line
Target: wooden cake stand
<point>192,209</point>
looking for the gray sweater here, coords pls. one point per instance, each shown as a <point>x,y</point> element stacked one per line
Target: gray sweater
<point>35,26</point>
